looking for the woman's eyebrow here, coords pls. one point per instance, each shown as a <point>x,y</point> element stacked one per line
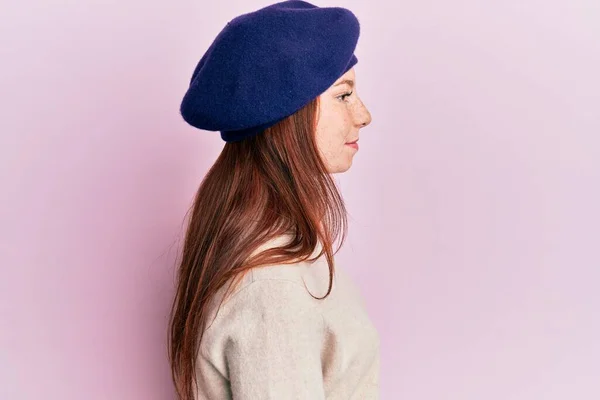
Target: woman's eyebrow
<point>347,81</point>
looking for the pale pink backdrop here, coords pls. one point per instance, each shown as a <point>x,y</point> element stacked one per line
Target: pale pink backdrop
<point>473,199</point>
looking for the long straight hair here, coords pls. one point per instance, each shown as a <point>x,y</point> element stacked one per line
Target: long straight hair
<point>259,188</point>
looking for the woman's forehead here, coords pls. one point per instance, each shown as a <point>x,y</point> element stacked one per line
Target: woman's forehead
<point>350,74</point>
<point>348,78</point>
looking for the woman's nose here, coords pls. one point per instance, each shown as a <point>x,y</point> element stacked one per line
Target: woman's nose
<point>363,115</point>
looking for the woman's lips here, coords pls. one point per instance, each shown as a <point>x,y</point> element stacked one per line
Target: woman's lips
<point>354,144</point>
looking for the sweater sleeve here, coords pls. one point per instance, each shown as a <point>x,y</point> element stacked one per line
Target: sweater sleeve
<point>276,351</point>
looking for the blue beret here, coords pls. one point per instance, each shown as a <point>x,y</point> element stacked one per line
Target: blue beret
<point>267,64</point>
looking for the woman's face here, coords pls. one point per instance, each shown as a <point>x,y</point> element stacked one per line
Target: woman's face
<point>341,115</point>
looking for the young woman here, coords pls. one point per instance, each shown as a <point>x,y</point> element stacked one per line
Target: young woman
<point>260,311</point>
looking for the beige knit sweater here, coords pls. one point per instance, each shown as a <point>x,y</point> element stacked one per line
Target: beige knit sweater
<point>272,340</point>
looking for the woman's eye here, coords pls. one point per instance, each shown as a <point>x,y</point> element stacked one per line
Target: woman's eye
<point>343,97</point>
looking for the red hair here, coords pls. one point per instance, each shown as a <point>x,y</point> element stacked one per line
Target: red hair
<point>259,188</point>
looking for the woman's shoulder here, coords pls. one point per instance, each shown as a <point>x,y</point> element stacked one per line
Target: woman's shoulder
<point>277,288</point>
<point>263,305</point>
<point>296,271</point>
<point>271,289</point>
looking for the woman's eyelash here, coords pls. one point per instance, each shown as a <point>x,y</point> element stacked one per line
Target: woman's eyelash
<point>342,97</point>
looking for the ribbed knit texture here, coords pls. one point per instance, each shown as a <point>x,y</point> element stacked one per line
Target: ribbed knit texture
<point>272,340</point>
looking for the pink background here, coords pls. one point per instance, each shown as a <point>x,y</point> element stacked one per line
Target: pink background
<point>473,199</point>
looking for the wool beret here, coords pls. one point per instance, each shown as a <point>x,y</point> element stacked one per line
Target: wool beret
<point>267,64</point>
